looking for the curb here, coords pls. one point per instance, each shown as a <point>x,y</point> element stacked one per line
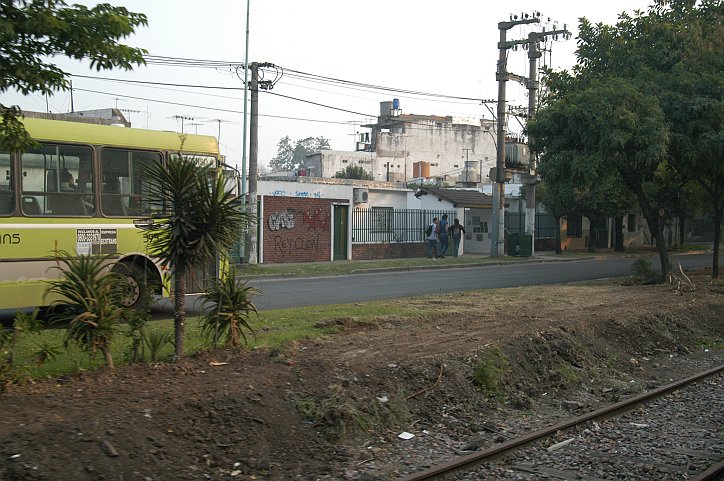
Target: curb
<point>460,266</point>
<point>534,259</point>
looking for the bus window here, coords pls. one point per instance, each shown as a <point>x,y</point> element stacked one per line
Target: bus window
<point>122,192</point>
<point>7,199</point>
<point>58,180</point>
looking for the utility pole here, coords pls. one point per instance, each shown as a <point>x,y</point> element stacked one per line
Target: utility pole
<point>497,237</point>
<point>254,86</point>
<point>253,159</point>
<point>533,86</point>
<point>254,130</point>
<point>533,55</point>
<point>246,88</point>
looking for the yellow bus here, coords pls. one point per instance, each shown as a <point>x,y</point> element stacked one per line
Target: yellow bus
<point>81,191</point>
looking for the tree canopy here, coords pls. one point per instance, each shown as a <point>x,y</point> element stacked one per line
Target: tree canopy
<point>652,86</point>
<point>354,172</point>
<point>292,154</point>
<point>33,32</point>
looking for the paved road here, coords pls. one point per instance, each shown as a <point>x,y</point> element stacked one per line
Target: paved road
<point>281,293</point>
<point>312,291</point>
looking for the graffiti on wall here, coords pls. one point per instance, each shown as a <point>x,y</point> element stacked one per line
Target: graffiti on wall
<point>281,220</point>
<point>298,193</point>
<point>298,230</point>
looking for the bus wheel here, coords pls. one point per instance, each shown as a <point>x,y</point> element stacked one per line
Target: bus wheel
<point>136,283</point>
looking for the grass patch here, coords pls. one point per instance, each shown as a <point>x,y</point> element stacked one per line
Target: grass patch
<point>275,330</point>
<point>489,371</point>
<point>711,343</point>
<point>690,248</point>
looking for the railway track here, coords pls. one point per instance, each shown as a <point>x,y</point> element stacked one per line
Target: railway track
<point>672,432</point>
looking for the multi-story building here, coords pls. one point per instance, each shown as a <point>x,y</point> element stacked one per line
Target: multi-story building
<point>406,147</point>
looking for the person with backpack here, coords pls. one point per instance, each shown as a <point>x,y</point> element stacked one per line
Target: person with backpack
<point>456,232</point>
<point>442,236</point>
<point>431,236</point>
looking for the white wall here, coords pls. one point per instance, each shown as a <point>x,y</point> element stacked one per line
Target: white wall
<point>304,188</point>
<point>440,143</point>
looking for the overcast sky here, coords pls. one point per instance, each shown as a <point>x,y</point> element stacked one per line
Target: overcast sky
<point>445,48</point>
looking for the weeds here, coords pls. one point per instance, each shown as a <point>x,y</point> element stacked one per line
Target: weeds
<point>642,273</point>
<point>155,342</point>
<point>565,376</point>
<point>489,371</point>
<point>137,322</point>
<point>23,324</point>
<point>716,343</point>
<point>341,415</point>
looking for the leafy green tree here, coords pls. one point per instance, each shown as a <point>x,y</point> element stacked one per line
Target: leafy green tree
<point>353,172</point>
<point>32,32</point>
<point>198,221</point>
<point>291,155</point>
<point>89,298</point>
<point>673,52</point>
<point>608,124</point>
<point>557,197</point>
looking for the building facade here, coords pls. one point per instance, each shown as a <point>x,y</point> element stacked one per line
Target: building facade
<point>405,147</point>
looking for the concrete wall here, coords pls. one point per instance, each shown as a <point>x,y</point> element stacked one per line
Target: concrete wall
<point>328,162</point>
<point>305,187</point>
<point>442,144</point>
<point>440,141</point>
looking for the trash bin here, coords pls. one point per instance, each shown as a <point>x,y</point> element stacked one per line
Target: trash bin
<point>514,244</point>
<point>520,245</point>
<point>526,245</point>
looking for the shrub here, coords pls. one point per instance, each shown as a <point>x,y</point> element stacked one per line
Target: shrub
<point>90,301</point>
<point>229,307</point>
<point>642,273</point>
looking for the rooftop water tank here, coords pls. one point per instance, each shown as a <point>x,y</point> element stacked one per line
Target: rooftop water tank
<point>385,109</point>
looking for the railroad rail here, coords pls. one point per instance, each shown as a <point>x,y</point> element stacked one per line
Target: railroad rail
<point>468,462</point>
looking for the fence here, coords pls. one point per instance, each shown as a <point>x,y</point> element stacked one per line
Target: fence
<point>699,230</point>
<point>545,224</point>
<point>389,225</point>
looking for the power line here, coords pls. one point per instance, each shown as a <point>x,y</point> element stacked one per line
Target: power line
<point>318,104</point>
<point>209,108</point>
<point>309,77</point>
<point>165,84</point>
<point>180,104</point>
<point>305,75</point>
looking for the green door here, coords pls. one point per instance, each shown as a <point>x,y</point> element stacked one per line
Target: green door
<point>340,232</point>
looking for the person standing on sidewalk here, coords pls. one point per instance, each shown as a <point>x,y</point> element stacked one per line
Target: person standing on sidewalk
<point>442,236</point>
<point>431,233</point>
<point>456,232</point>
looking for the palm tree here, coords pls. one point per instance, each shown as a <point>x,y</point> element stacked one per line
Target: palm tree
<point>198,220</point>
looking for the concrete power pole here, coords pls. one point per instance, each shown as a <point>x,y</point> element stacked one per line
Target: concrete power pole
<point>497,237</point>
<point>251,205</point>
<point>533,86</point>
<point>533,55</point>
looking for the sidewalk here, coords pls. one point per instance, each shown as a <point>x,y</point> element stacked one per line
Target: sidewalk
<point>345,267</point>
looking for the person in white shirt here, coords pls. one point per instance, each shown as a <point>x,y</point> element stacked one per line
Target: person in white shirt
<point>432,239</point>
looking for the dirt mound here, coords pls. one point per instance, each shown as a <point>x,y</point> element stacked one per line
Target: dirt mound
<point>309,412</point>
